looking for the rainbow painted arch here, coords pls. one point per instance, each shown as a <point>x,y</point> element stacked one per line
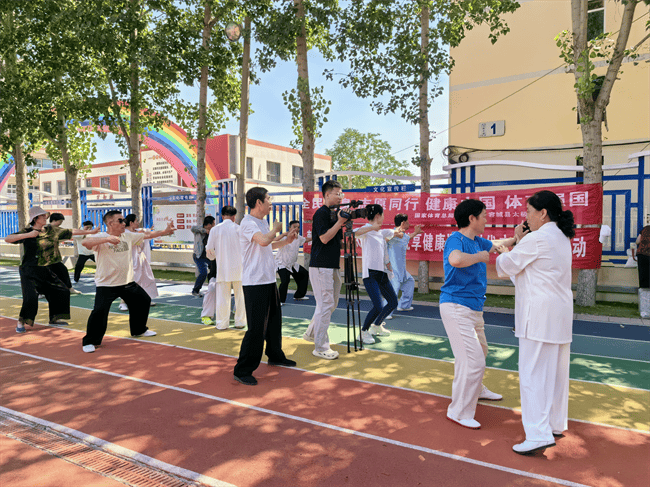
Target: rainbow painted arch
<point>172,144</point>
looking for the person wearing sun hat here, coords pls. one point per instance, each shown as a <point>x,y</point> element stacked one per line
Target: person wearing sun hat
<point>35,277</point>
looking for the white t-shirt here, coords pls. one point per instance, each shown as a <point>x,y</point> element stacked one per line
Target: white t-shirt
<point>224,242</point>
<point>81,250</point>
<point>258,265</point>
<point>287,256</point>
<point>373,245</point>
<point>115,262</point>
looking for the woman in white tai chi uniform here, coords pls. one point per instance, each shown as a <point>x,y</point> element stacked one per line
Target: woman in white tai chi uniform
<point>540,265</point>
<point>141,254</point>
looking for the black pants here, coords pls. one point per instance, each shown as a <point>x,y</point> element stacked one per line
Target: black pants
<point>35,280</point>
<point>62,273</point>
<point>301,276</point>
<point>81,262</point>
<point>135,298</point>
<point>644,270</point>
<point>212,270</point>
<point>264,317</point>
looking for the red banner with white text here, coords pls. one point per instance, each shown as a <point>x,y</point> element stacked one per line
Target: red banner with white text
<point>503,208</point>
<point>506,207</point>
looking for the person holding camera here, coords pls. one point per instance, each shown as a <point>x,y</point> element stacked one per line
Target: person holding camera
<point>261,298</point>
<point>324,268</point>
<point>461,308</point>
<point>541,266</point>
<point>375,278</point>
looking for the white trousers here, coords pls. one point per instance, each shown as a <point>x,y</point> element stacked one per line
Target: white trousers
<point>465,329</point>
<point>216,302</point>
<point>326,284</point>
<point>544,388</point>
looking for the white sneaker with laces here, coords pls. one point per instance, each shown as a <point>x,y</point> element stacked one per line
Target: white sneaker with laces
<point>379,330</point>
<point>88,348</point>
<point>488,395</point>
<point>367,338</point>
<point>148,333</point>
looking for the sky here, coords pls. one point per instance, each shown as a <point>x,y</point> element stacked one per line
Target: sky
<point>271,120</point>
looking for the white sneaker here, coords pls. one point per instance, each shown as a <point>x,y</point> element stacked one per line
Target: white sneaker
<point>528,447</point>
<point>88,348</point>
<point>367,338</point>
<point>74,291</point>
<point>327,354</point>
<point>148,333</point>
<point>488,395</point>
<point>124,307</point>
<point>379,330</point>
<point>410,308</point>
<point>239,326</point>
<point>389,317</point>
<point>467,423</point>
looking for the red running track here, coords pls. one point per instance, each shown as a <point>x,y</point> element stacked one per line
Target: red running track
<point>297,438</point>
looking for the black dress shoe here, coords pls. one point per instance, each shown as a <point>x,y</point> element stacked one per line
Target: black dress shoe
<point>285,362</point>
<point>247,380</point>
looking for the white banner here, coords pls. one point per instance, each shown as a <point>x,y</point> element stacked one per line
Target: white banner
<point>183,217</point>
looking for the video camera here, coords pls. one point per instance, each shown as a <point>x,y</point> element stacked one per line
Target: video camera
<point>353,211</point>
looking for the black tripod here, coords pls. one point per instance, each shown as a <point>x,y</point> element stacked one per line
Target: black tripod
<point>351,284</point>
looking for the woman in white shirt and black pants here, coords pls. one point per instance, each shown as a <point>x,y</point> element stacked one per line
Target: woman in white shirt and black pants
<point>375,279</point>
<point>541,267</point>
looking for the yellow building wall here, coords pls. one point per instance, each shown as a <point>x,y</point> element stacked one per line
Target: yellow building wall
<point>541,115</point>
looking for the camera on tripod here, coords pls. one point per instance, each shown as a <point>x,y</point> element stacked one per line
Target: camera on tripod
<point>352,213</point>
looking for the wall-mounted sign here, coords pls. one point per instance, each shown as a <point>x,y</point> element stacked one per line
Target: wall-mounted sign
<point>492,129</point>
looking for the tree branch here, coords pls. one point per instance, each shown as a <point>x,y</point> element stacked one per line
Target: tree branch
<point>120,120</point>
<point>619,53</point>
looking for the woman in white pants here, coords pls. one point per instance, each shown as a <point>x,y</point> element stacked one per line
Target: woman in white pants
<point>540,264</point>
<point>141,254</point>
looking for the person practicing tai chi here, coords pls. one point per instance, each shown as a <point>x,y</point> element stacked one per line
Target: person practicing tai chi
<point>461,307</point>
<point>114,279</point>
<point>540,265</point>
<point>375,278</point>
<point>263,311</point>
<point>288,267</point>
<point>324,268</point>
<point>36,276</point>
<point>56,261</point>
<point>141,254</point>
<point>204,266</point>
<point>402,280</point>
<point>83,254</point>
<point>224,247</point>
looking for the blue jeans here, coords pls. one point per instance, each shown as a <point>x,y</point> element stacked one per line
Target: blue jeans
<point>378,285</point>
<point>202,265</point>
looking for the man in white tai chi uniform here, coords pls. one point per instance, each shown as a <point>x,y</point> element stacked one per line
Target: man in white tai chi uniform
<point>224,247</point>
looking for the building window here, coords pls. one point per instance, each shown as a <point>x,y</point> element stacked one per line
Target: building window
<point>296,174</point>
<point>62,187</point>
<point>47,187</point>
<point>89,183</point>
<point>105,183</point>
<point>11,189</point>
<point>273,172</point>
<point>318,171</point>
<point>249,168</point>
<point>123,183</point>
<point>595,18</point>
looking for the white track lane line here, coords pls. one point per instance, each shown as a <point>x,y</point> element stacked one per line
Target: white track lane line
<point>310,421</point>
<point>120,450</point>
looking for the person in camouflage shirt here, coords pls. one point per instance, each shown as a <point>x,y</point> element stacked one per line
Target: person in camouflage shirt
<point>36,278</point>
<point>52,253</point>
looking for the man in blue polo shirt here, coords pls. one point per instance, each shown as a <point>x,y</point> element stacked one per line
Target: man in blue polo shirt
<point>461,308</point>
